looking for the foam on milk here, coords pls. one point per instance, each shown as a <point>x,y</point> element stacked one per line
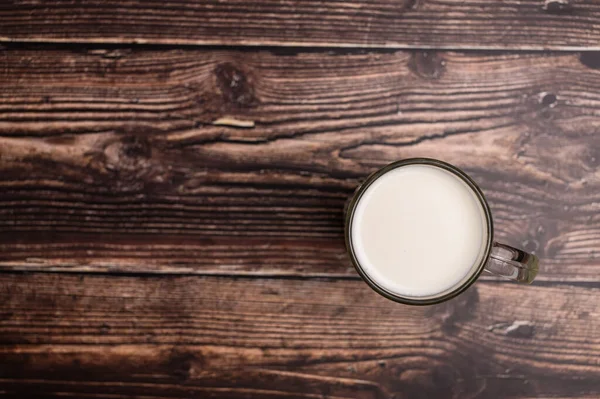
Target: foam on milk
<point>419,231</point>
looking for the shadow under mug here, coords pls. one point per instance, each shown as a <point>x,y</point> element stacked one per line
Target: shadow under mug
<point>499,259</point>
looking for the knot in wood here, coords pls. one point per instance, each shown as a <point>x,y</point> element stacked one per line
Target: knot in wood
<point>131,152</point>
<point>235,86</point>
<point>185,365</point>
<point>427,64</point>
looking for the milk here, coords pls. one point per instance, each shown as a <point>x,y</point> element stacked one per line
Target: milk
<point>419,231</point>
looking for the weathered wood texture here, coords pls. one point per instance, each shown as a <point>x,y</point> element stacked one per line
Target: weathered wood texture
<point>482,24</point>
<point>110,159</point>
<point>173,336</point>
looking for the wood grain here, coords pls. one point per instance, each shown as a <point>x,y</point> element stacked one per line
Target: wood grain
<point>107,336</point>
<point>110,161</point>
<point>478,24</point>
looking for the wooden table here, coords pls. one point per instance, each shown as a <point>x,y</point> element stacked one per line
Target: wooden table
<point>173,175</point>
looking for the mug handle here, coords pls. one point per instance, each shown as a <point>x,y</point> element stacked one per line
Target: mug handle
<point>512,263</point>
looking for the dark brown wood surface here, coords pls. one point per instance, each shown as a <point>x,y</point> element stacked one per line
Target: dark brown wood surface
<point>482,24</point>
<point>116,156</point>
<point>173,176</point>
<point>241,337</point>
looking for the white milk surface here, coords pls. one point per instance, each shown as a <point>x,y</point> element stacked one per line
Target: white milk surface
<point>419,231</point>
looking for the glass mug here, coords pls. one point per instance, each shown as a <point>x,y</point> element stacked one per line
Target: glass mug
<point>419,231</point>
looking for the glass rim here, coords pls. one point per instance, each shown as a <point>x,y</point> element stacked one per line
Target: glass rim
<point>349,216</point>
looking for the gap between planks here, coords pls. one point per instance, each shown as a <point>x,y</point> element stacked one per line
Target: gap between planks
<point>275,46</point>
<point>487,279</point>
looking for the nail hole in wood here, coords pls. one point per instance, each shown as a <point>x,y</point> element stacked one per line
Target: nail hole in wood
<point>548,99</point>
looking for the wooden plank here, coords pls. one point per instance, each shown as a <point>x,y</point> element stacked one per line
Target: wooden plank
<point>478,24</point>
<point>106,336</point>
<point>110,161</point>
